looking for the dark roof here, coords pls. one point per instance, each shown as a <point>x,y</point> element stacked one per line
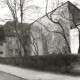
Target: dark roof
<point>75,12</point>
<point>9,29</point>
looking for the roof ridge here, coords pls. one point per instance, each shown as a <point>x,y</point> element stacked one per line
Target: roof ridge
<point>68,2</point>
<point>73,5</point>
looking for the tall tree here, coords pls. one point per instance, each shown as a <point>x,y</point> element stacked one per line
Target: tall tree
<point>57,22</point>
<point>19,7</point>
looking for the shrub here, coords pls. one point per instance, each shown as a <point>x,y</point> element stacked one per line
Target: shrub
<point>57,63</point>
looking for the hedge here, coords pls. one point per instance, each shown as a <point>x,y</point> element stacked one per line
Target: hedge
<point>56,63</point>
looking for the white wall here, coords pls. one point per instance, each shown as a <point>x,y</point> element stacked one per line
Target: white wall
<point>74,39</point>
<point>3,49</point>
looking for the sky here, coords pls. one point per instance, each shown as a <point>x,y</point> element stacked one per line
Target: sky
<point>33,14</point>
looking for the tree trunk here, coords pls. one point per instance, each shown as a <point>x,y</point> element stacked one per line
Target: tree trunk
<point>67,44</point>
<point>79,44</point>
<point>25,52</point>
<point>20,54</point>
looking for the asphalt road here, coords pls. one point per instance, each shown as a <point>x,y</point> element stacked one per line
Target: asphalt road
<point>29,74</point>
<point>5,76</point>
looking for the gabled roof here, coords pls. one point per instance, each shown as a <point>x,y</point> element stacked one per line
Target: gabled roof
<point>72,9</point>
<point>74,13</point>
<point>9,29</point>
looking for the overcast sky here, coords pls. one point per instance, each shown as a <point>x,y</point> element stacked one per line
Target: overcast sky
<point>5,13</point>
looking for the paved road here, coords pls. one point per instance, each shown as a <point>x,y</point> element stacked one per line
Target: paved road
<point>29,74</point>
<point>5,76</point>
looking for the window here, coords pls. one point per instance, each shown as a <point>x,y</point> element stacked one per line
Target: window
<point>1,52</point>
<point>16,50</point>
<point>1,44</point>
<point>11,50</point>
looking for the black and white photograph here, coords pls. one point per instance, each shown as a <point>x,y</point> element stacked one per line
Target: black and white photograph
<point>39,39</point>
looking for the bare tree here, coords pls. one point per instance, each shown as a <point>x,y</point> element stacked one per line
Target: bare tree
<point>75,20</point>
<point>13,10</point>
<point>34,43</point>
<point>58,23</point>
<point>15,7</point>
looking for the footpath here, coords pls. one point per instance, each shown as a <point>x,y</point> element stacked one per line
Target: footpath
<point>34,74</point>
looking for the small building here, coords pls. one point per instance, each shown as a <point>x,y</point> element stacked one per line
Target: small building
<point>10,45</point>
<point>48,36</point>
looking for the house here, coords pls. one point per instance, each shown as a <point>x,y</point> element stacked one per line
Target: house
<point>48,36</point>
<point>9,42</point>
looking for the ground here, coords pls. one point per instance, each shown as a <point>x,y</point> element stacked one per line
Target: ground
<point>29,74</point>
<point>6,76</point>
